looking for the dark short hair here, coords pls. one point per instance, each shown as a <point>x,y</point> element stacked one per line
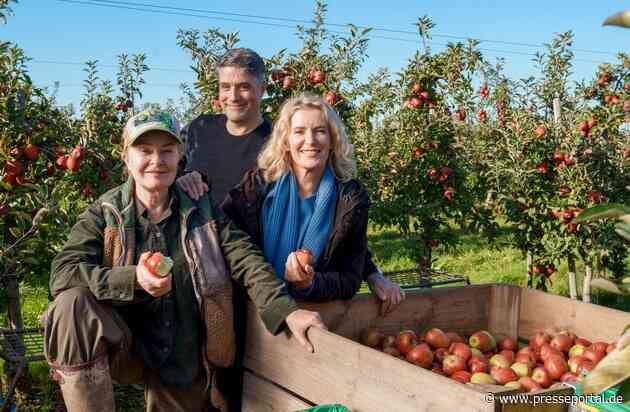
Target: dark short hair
<point>246,59</point>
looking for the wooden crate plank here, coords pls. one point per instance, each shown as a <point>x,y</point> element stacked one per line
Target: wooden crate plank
<point>460,309</point>
<point>260,395</point>
<point>552,313</point>
<point>504,311</point>
<point>346,372</point>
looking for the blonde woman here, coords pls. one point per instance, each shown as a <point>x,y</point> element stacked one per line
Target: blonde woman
<point>304,195</point>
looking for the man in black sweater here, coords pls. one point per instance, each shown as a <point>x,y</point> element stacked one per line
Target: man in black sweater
<point>220,148</point>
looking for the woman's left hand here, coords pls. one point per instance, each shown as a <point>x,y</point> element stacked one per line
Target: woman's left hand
<point>294,273</point>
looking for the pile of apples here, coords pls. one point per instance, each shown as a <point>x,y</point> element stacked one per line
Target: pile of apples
<point>483,359</point>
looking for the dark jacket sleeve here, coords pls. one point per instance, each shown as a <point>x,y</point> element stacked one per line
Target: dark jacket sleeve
<point>248,267</point>
<point>342,280</point>
<point>370,266</point>
<point>79,263</point>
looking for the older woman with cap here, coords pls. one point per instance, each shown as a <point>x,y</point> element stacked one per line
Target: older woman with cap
<point>114,318</point>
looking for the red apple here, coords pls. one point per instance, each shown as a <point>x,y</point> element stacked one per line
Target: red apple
<point>568,378</point>
<point>437,338</point>
<point>31,152</point>
<point>439,354</point>
<point>584,342</point>
<point>556,366</point>
<point>600,346</point>
<point>541,377</point>
<point>478,364</point>
<point>406,340</point>
<point>482,378</point>
<point>562,343</point>
<point>529,384</point>
<point>14,167</point>
<point>508,354</point>
<point>500,361</point>
<point>460,349</point>
<point>504,375</point>
<point>546,350</point>
<point>576,350</point>
<point>539,131</point>
<point>420,355</point>
<point>454,337</point>
<point>452,364</point>
<point>287,83</point>
<point>483,341</point>
<point>508,343</point>
<point>575,361</point>
<point>461,376</point>
<point>585,366</point>
<point>593,355</point>
<point>527,359</point>
<point>521,368</point>
<point>331,97</point>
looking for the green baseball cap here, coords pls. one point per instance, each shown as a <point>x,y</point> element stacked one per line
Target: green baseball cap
<point>148,120</point>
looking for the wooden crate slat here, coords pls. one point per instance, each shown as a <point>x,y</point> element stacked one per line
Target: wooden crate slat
<point>260,395</point>
<point>504,311</point>
<point>552,313</point>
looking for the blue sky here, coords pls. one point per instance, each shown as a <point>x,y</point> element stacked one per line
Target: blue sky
<point>57,31</point>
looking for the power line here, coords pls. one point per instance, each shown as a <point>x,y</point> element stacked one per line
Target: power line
<point>302,21</point>
<point>115,6</point>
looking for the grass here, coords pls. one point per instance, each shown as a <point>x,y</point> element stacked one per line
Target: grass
<point>474,257</point>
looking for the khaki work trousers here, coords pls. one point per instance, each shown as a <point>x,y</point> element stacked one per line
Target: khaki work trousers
<point>80,331</point>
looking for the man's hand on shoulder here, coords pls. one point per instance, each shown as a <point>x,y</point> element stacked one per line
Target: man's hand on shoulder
<point>193,185</point>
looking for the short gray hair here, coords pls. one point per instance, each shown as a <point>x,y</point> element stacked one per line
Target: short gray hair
<point>246,59</point>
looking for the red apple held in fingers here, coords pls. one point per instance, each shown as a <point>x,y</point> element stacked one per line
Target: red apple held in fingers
<point>556,366</point>
<point>504,375</point>
<point>508,343</point>
<point>461,376</point>
<point>460,349</point>
<point>482,378</point>
<point>406,340</point>
<point>562,343</point>
<point>420,355</point>
<point>593,355</point>
<point>529,384</point>
<point>541,377</point>
<point>372,337</point>
<point>454,337</point>
<point>437,338</point>
<point>521,368</point>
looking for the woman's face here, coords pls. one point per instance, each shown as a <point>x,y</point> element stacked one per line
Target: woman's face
<point>152,161</point>
<point>309,141</point>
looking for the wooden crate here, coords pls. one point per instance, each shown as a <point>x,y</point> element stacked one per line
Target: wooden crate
<point>366,380</point>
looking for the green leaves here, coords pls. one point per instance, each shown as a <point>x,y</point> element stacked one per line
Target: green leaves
<point>604,211</point>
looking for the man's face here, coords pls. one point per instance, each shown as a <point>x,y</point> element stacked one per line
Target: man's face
<point>240,94</point>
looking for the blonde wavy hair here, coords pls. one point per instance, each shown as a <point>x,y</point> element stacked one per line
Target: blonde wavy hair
<point>275,158</point>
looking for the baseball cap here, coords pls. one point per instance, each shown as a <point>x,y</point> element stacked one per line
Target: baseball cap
<point>148,120</point>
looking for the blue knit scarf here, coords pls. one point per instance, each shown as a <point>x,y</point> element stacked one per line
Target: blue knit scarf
<point>281,219</point>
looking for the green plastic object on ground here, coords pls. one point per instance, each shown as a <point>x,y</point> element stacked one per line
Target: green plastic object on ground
<point>327,408</point>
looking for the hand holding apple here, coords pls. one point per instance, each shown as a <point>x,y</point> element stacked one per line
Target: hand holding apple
<point>154,285</point>
<point>299,270</point>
